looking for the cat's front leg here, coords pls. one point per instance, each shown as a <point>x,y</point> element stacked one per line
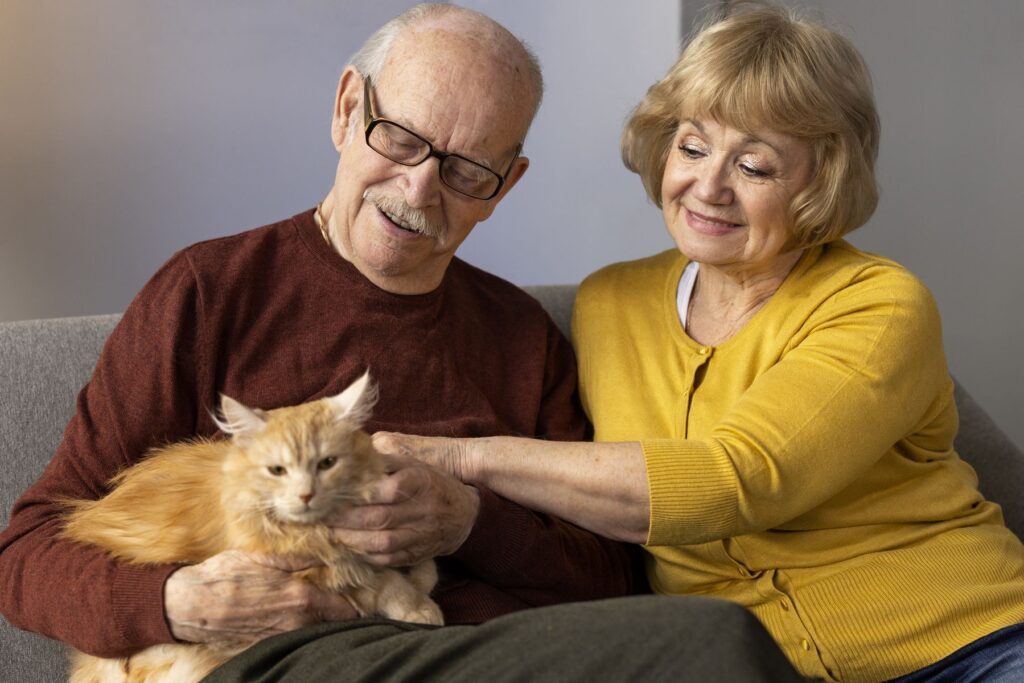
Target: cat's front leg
<point>387,592</point>
<point>398,597</point>
<point>423,576</point>
<point>428,612</point>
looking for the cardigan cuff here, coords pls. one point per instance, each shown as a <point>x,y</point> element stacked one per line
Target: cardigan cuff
<point>692,489</point>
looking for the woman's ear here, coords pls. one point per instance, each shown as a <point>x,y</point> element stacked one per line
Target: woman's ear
<point>348,97</point>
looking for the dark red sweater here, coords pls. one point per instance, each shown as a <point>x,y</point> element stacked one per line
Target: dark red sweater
<point>275,317</point>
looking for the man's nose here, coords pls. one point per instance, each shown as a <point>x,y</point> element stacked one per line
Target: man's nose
<point>423,183</point>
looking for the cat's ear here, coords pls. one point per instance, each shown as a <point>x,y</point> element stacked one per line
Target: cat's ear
<point>237,420</point>
<point>356,402</point>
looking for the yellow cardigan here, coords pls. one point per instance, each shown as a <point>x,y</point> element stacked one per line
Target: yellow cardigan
<point>805,467</point>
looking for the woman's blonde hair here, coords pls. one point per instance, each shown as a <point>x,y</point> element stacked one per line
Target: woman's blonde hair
<point>762,67</point>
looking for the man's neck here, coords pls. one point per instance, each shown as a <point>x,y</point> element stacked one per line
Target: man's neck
<point>403,285</point>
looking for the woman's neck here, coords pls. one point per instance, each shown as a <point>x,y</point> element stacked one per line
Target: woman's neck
<point>723,301</point>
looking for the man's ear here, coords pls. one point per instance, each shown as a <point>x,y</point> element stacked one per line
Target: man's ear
<point>348,97</point>
<point>519,167</point>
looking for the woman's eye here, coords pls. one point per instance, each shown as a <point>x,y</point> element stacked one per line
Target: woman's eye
<point>327,463</point>
<point>691,151</point>
<point>276,470</point>
<point>753,171</point>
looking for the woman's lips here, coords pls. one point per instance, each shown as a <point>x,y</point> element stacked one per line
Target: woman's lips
<point>708,225</point>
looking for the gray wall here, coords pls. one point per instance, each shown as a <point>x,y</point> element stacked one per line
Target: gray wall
<point>130,128</point>
<point>949,80</point>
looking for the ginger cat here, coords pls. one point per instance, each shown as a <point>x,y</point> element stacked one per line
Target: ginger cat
<point>268,489</point>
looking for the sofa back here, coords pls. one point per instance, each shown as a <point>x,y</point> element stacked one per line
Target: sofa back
<point>44,363</point>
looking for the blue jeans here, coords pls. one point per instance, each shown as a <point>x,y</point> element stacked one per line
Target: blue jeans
<point>996,658</point>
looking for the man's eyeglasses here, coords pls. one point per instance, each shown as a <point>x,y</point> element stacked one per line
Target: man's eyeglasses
<point>401,145</point>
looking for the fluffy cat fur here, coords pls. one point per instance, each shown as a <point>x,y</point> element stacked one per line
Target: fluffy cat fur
<point>268,489</point>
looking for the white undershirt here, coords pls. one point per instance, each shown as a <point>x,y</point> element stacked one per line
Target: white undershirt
<point>685,290</point>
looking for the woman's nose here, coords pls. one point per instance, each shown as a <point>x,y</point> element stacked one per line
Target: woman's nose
<point>714,185</point>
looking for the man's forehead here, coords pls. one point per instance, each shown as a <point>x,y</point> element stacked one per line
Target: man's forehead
<point>442,57</point>
<point>441,83</point>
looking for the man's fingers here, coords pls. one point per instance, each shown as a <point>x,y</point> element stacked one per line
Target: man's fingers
<point>386,491</point>
<point>367,517</point>
<point>334,607</point>
<point>393,462</point>
<point>366,541</point>
<point>381,547</point>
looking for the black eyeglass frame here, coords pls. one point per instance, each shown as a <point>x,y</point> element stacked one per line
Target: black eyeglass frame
<point>370,121</point>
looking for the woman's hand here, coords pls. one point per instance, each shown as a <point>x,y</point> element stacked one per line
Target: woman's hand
<point>450,455</point>
<point>598,486</point>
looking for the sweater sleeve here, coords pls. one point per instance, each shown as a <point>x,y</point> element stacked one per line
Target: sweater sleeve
<point>863,372</point>
<point>538,558</point>
<point>142,393</point>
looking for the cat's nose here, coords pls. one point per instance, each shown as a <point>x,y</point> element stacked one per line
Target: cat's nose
<point>306,497</point>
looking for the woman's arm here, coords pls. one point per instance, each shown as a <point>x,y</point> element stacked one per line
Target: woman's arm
<point>598,486</point>
<point>863,371</point>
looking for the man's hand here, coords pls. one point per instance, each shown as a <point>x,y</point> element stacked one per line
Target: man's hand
<point>415,513</point>
<point>236,598</point>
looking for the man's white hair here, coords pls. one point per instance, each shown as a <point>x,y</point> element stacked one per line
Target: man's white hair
<point>371,57</point>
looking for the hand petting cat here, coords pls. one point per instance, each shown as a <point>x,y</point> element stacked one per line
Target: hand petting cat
<point>447,454</point>
<point>609,489</point>
<point>415,513</point>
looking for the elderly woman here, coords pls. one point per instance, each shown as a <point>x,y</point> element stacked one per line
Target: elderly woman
<point>773,415</point>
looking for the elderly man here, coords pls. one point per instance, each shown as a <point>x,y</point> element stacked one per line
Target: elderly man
<point>429,121</point>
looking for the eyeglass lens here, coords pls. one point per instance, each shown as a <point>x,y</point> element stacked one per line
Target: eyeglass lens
<point>404,147</point>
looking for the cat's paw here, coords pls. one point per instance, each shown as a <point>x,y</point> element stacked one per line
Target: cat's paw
<point>427,613</point>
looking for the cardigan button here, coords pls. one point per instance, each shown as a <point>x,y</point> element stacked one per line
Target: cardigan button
<point>703,350</point>
<point>805,645</point>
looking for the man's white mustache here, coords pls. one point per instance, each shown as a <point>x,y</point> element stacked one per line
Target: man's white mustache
<point>403,214</point>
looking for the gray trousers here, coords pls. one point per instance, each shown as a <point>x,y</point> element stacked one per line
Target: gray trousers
<point>643,638</point>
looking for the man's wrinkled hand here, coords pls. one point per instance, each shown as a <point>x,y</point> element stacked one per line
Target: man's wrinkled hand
<point>415,513</point>
<point>236,599</point>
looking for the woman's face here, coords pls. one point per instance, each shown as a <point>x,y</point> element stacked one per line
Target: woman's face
<point>726,194</point>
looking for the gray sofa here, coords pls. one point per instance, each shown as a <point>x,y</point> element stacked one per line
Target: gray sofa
<point>43,363</point>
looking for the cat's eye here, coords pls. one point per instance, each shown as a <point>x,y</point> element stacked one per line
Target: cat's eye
<point>276,470</point>
<point>327,463</point>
